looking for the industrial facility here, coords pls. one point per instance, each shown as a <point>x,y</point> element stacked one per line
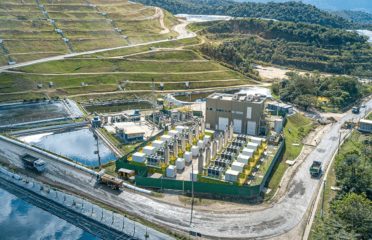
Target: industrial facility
<point>244,111</point>
<point>223,152</point>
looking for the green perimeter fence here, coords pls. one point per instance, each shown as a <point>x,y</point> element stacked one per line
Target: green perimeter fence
<point>203,188</point>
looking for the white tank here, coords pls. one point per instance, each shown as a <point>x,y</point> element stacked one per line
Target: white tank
<point>180,164</point>
<point>171,171</point>
<point>278,125</point>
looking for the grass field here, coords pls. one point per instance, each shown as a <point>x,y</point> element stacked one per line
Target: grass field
<point>165,55</point>
<point>369,116</point>
<point>139,49</point>
<point>118,65</point>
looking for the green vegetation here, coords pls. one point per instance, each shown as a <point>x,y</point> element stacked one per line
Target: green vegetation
<point>348,213</point>
<point>360,17</point>
<point>108,24</point>
<point>306,90</point>
<point>298,45</point>
<point>168,55</point>
<point>123,148</point>
<point>143,48</point>
<point>166,64</point>
<point>296,128</point>
<point>369,117</point>
<point>117,107</point>
<point>118,65</point>
<point>288,11</point>
<point>192,97</point>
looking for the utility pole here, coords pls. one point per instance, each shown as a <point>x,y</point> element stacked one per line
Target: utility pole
<point>97,151</point>
<point>339,144</point>
<point>192,192</point>
<point>153,100</point>
<point>322,210</point>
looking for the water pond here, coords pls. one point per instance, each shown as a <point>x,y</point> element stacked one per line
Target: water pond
<point>78,145</point>
<point>21,220</point>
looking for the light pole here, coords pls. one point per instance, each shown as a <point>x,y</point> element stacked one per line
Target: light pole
<point>192,192</point>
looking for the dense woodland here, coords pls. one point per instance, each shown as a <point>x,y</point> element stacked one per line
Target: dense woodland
<point>288,11</point>
<point>350,214</point>
<point>304,46</point>
<point>355,16</point>
<point>306,90</point>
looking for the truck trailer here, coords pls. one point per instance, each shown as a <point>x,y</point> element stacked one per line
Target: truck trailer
<point>33,163</point>
<point>112,182</point>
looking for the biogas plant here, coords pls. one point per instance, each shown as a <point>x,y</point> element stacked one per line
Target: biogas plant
<point>230,150</point>
<point>225,146</point>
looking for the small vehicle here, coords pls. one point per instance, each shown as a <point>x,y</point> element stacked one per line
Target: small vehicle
<point>355,110</point>
<point>33,163</point>
<point>316,169</point>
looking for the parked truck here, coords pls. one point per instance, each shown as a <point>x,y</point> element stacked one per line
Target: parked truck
<point>316,169</point>
<point>112,182</point>
<point>33,163</point>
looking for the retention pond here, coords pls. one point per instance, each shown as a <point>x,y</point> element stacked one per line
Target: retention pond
<point>18,113</point>
<point>78,145</point>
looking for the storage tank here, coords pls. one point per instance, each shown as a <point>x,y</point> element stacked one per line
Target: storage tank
<point>180,164</point>
<point>171,171</point>
<point>243,159</point>
<point>149,150</point>
<point>231,175</point>
<point>207,139</point>
<point>200,144</point>
<point>257,140</point>
<point>194,176</point>
<point>252,146</point>
<point>238,166</point>
<point>173,133</point>
<point>248,152</point>
<point>278,125</point>
<point>188,157</point>
<point>180,129</point>
<point>166,138</point>
<point>139,157</point>
<point>195,151</point>
<point>158,144</point>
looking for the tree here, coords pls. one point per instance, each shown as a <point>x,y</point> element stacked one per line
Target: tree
<point>353,174</point>
<point>356,211</point>
<point>333,228</point>
<point>305,101</point>
<point>275,88</point>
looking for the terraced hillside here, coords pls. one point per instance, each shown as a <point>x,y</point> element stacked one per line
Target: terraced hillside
<point>166,66</point>
<point>34,29</point>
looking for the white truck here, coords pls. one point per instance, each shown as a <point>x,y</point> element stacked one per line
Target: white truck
<point>34,163</point>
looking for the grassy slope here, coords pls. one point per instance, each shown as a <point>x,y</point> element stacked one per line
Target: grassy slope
<point>293,135</point>
<point>117,65</point>
<point>173,67</point>
<point>83,25</point>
